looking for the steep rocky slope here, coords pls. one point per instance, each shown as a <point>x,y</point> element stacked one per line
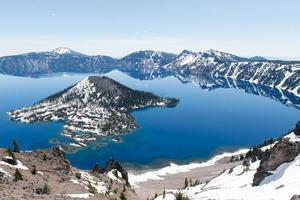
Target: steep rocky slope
<point>46,174</point>
<point>284,151</point>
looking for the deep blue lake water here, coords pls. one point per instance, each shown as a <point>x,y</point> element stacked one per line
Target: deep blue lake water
<point>203,124</point>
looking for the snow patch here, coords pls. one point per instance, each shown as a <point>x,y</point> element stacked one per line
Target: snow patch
<point>4,172</point>
<point>19,164</point>
<point>292,137</point>
<point>82,195</point>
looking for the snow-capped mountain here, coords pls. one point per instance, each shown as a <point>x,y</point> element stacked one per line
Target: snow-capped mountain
<point>58,60</point>
<point>146,64</point>
<point>62,50</point>
<point>284,75</point>
<point>258,58</point>
<point>280,74</point>
<point>65,50</point>
<point>148,59</point>
<point>142,64</point>
<point>95,106</point>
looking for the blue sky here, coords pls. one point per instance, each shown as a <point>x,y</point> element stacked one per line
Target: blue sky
<point>116,27</point>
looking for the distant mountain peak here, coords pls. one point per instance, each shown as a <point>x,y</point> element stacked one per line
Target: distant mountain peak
<point>149,53</point>
<point>223,55</point>
<point>186,52</point>
<point>216,52</point>
<point>258,58</point>
<point>64,51</point>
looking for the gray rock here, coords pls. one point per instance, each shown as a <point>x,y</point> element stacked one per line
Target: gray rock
<point>282,152</point>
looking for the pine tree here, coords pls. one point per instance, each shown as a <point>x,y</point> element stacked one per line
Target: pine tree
<point>242,157</point>
<point>34,171</point>
<point>44,156</point>
<point>18,176</point>
<point>186,183</point>
<point>46,189</point>
<point>122,196</point>
<point>16,146</point>
<point>179,196</point>
<point>164,194</point>
<point>13,160</point>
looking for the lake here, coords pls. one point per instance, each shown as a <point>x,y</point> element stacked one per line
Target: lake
<point>204,123</point>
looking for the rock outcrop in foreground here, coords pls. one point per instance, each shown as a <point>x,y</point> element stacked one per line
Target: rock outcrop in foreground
<point>46,174</point>
<point>285,150</point>
<point>96,106</point>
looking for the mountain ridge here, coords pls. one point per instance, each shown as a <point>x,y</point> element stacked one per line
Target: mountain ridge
<point>154,64</point>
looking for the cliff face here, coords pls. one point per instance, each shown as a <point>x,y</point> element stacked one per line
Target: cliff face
<point>283,151</point>
<point>47,174</point>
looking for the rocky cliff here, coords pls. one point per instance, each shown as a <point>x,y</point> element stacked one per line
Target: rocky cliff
<point>47,174</point>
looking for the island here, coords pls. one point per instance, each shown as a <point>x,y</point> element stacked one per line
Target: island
<point>96,106</point>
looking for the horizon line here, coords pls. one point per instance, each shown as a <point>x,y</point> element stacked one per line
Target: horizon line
<point>269,58</point>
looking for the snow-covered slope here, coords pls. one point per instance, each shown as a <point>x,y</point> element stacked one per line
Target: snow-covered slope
<point>280,74</point>
<point>146,64</point>
<point>280,183</point>
<point>96,106</point>
<point>237,184</point>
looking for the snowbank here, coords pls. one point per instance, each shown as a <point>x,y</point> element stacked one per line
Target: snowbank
<point>82,196</point>
<point>19,164</point>
<point>175,169</point>
<point>236,184</point>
